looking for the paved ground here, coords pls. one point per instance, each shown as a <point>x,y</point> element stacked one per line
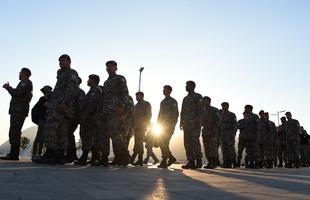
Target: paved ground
<point>23,180</point>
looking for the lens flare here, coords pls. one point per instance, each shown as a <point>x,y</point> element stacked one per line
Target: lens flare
<point>156,129</point>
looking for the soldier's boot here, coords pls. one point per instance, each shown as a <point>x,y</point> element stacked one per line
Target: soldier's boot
<point>12,155</point>
<point>280,165</point>
<point>104,161</point>
<point>251,165</point>
<point>275,163</point>
<point>171,160</point>
<point>209,165</point>
<point>258,165</point>
<point>269,164</point>
<point>133,157</point>
<point>83,159</point>
<point>163,163</point>
<point>48,157</point>
<point>60,157</point>
<point>289,164</point>
<point>238,163</point>
<point>125,158</point>
<point>226,164</point>
<point>198,163</point>
<point>116,160</point>
<point>140,161</point>
<point>189,165</point>
<point>95,155</point>
<point>70,155</point>
<point>234,163</point>
<point>146,160</point>
<point>154,158</point>
<point>212,163</point>
<point>246,162</point>
<point>297,165</point>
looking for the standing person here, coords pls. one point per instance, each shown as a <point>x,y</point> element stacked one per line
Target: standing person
<point>167,119</point>
<point>151,141</point>
<point>115,97</point>
<point>210,133</point>
<point>228,129</point>
<point>60,112</point>
<point>71,147</point>
<point>141,120</point>
<point>38,115</point>
<point>19,108</point>
<point>304,147</point>
<point>252,137</point>
<point>282,133</point>
<point>273,142</point>
<point>292,139</point>
<point>242,141</point>
<point>89,113</point>
<point>191,115</point>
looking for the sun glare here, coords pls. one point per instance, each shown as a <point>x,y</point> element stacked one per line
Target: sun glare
<point>157,129</point>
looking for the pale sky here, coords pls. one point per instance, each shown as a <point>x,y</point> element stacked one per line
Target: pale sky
<point>243,52</point>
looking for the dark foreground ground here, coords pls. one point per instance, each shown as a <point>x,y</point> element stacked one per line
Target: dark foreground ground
<point>24,180</point>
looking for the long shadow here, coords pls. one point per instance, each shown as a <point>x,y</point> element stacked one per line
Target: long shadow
<point>290,185</point>
<point>90,183</point>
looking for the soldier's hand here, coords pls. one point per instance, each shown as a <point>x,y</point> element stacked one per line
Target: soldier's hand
<point>6,85</point>
<point>119,112</point>
<point>61,108</point>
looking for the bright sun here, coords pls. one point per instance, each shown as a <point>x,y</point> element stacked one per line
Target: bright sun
<point>156,129</point>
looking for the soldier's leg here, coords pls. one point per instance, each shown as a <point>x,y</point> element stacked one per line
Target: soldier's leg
<point>38,141</point>
<point>188,144</point>
<point>241,146</point>
<point>71,146</point>
<point>197,147</point>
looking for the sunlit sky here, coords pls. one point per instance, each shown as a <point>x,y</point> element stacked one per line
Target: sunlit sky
<point>243,52</point>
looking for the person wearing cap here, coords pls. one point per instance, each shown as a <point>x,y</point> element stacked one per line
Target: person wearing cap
<point>19,109</point>
<point>190,122</point>
<point>141,120</point>
<point>115,97</point>
<point>282,132</point>
<point>89,113</point>
<point>242,140</point>
<point>252,138</point>
<point>38,116</point>
<point>292,139</point>
<point>228,129</point>
<point>60,112</point>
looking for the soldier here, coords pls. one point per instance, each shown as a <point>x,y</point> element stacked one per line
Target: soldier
<point>242,141</point>
<point>71,148</point>
<point>19,108</point>
<point>115,97</point>
<point>38,115</point>
<point>191,115</point>
<point>292,141</point>
<point>88,117</point>
<point>281,131</point>
<point>228,129</point>
<point>210,133</point>
<point>141,119</point>
<point>251,137</point>
<point>304,147</point>
<point>274,141</point>
<point>264,141</point>
<point>60,112</point>
<point>167,119</point>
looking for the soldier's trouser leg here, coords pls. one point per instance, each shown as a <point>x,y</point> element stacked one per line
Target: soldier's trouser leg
<point>139,136</point>
<point>16,125</point>
<point>38,141</point>
<point>192,143</point>
<point>231,148</point>
<point>293,151</point>
<point>210,142</point>
<point>241,146</point>
<point>87,131</point>
<point>55,131</point>
<point>164,143</point>
<point>304,154</point>
<point>252,150</point>
<point>71,147</point>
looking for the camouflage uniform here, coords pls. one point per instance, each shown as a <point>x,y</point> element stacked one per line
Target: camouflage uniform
<point>228,128</point>
<point>65,92</point>
<point>265,141</point>
<point>191,115</point>
<point>115,94</point>
<point>142,115</point>
<point>167,118</point>
<point>19,108</point>
<point>251,137</point>
<point>292,140</point>
<point>210,133</point>
<point>88,117</point>
<point>242,141</point>
<point>282,155</point>
<point>304,148</point>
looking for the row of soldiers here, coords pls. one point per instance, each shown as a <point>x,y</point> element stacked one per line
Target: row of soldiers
<point>108,113</point>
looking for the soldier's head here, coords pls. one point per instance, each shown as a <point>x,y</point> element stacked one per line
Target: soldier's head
<point>225,106</point>
<point>111,67</point>
<point>267,115</point>
<point>64,61</point>
<point>47,90</point>
<point>93,80</point>
<point>248,109</point>
<point>262,114</point>
<point>283,120</point>
<point>24,74</point>
<point>190,86</point>
<point>167,90</point>
<point>206,101</point>
<point>288,115</point>
<point>139,96</point>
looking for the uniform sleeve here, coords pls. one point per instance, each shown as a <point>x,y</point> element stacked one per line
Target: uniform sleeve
<point>235,123</point>
<point>123,92</point>
<point>175,112</point>
<point>200,108</point>
<point>149,112</point>
<point>182,113</point>
<point>22,88</point>
<point>72,88</point>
